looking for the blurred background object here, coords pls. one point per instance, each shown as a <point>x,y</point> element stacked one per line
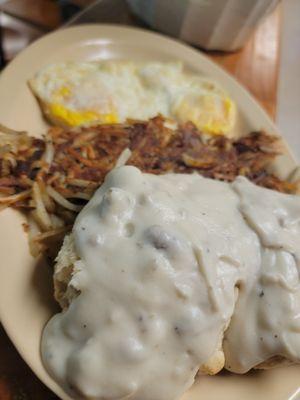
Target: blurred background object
<point>213,25</point>
<point>22,21</point>
<point>217,24</point>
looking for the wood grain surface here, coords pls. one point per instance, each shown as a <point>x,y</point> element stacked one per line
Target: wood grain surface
<point>256,67</point>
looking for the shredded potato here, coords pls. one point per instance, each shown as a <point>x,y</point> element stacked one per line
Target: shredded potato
<point>123,158</point>
<point>53,177</point>
<point>9,200</point>
<point>62,201</point>
<point>40,212</point>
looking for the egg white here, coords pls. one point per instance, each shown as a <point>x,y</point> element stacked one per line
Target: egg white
<point>77,93</point>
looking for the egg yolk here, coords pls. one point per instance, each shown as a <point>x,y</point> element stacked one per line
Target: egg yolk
<point>220,126</point>
<point>63,91</point>
<point>74,118</point>
<point>207,114</point>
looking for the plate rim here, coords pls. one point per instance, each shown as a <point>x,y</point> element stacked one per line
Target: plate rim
<point>106,30</point>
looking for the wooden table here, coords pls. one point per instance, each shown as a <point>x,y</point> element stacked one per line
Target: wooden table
<point>256,67</point>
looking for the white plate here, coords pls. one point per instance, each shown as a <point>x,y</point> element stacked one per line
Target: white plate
<point>26,285</point>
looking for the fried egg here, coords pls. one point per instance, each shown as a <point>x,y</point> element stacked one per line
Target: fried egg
<point>86,93</point>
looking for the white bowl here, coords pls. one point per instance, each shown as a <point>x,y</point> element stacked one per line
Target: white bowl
<point>211,24</point>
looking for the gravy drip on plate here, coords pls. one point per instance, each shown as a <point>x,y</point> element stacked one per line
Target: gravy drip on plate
<point>167,264</point>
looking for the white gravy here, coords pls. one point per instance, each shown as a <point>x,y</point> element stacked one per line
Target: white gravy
<point>160,260</point>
